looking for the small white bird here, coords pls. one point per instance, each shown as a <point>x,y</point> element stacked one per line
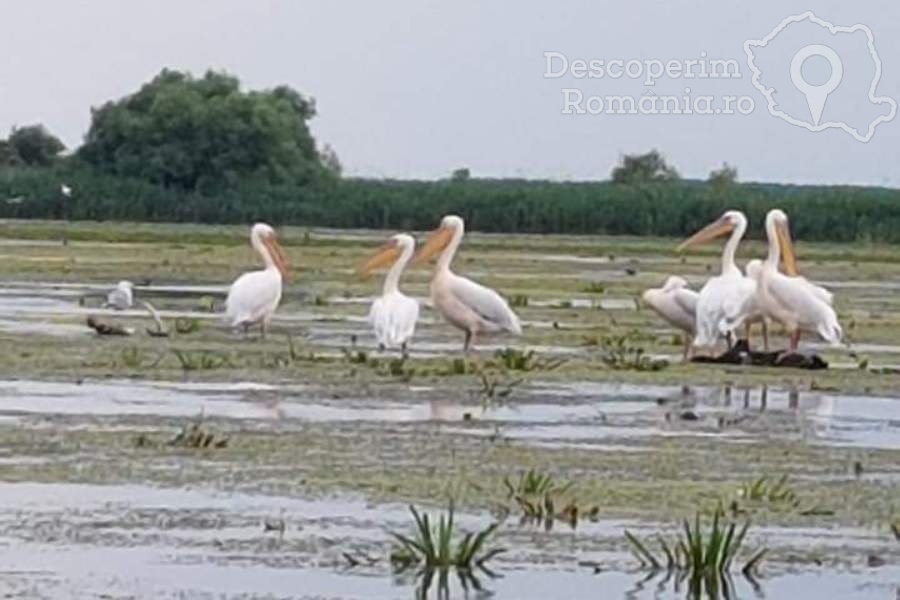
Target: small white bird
<point>799,305</point>
<point>65,190</point>
<point>466,305</point>
<point>393,315</point>
<point>254,296</point>
<point>677,305</point>
<point>727,300</point>
<point>121,298</point>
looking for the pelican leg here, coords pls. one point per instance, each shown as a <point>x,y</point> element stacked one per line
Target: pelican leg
<point>263,327</point>
<point>687,348</point>
<point>765,331</point>
<point>747,331</point>
<point>795,340</point>
<point>404,352</point>
<point>467,341</point>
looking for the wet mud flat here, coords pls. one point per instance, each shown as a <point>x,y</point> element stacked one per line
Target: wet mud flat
<point>325,441</point>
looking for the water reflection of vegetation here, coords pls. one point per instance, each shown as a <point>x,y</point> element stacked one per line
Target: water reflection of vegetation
<point>438,545</point>
<point>701,557</point>
<point>543,500</point>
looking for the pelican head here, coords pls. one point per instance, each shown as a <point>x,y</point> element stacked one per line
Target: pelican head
<point>754,269</point>
<point>265,240</point>
<point>387,254</point>
<point>728,222</point>
<point>125,285</point>
<point>777,223</point>
<point>440,238</point>
<point>673,283</point>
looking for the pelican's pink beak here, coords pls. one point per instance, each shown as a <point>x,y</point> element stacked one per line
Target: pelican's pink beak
<point>385,255</point>
<point>436,242</point>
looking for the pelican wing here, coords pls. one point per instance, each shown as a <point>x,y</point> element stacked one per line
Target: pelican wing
<point>393,318</point>
<point>686,300</point>
<point>803,304</point>
<point>485,302</point>
<point>253,296</point>
<point>820,292</point>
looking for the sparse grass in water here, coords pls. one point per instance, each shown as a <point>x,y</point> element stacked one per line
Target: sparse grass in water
<point>702,556</point>
<point>543,500</point>
<point>439,545</point>
<point>201,360</point>
<point>619,352</point>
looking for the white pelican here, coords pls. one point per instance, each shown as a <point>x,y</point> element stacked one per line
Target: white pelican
<point>800,306</point>
<point>727,300</point>
<point>753,269</point>
<point>463,303</point>
<point>254,296</point>
<point>676,304</point>
<point>121,298</point>
<point>393,315</point>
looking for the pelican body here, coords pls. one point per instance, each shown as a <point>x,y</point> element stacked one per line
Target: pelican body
<point>393,315</point>
<point>677,305</point>
<point>468,306</point>
<point>726,301</point>
<point>789,299</point>
<point>121,298</point>
<point>254,296</point>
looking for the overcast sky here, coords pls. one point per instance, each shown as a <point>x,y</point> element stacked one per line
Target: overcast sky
<point>418,88</point>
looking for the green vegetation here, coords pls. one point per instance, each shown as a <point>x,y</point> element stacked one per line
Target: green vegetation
<point>201,149</point>
<point>703,557</point>
<point>437,545</point>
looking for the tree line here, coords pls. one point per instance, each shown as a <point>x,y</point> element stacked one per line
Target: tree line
<point>205,150</point>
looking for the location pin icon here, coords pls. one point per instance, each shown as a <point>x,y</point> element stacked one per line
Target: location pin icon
<point>816,95</point>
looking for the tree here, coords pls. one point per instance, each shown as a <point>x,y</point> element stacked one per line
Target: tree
<point>330,161</point>
<point>32,145</point>
<point>723,176</point>
<point>643,168</point>
<point>462,174</point>
<point>205,134</point>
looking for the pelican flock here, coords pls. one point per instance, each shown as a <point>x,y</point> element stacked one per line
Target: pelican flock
<point>762,293</point>
<point>393,315</point>
<point>254,296</point>
<point>769,291</point>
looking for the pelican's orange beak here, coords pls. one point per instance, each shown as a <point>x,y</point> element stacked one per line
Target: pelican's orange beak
<point>278,256</point>
<point>788,256</point>
<point>386,255</point>
<point>712,231</point>
<point>436,242</point>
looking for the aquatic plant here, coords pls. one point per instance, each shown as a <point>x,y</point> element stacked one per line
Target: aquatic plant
<point>619,352</point>
<point>595,287</point>
<point>186,325</point>
<point>201,360</point>
<point>356,357</point>
<point>131,357</point>
<point>761,490</point>
<point>194,435</point>
<point>774,495</point>
<point>518,301</point>
<point>542,500</point>
<point>515,359</point>
<point>438,545</point>
<point>704,556</point>
<point>493,385</point>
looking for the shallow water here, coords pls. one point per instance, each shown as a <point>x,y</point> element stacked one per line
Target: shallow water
<point>67,540</point>
<point>581,414</point>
